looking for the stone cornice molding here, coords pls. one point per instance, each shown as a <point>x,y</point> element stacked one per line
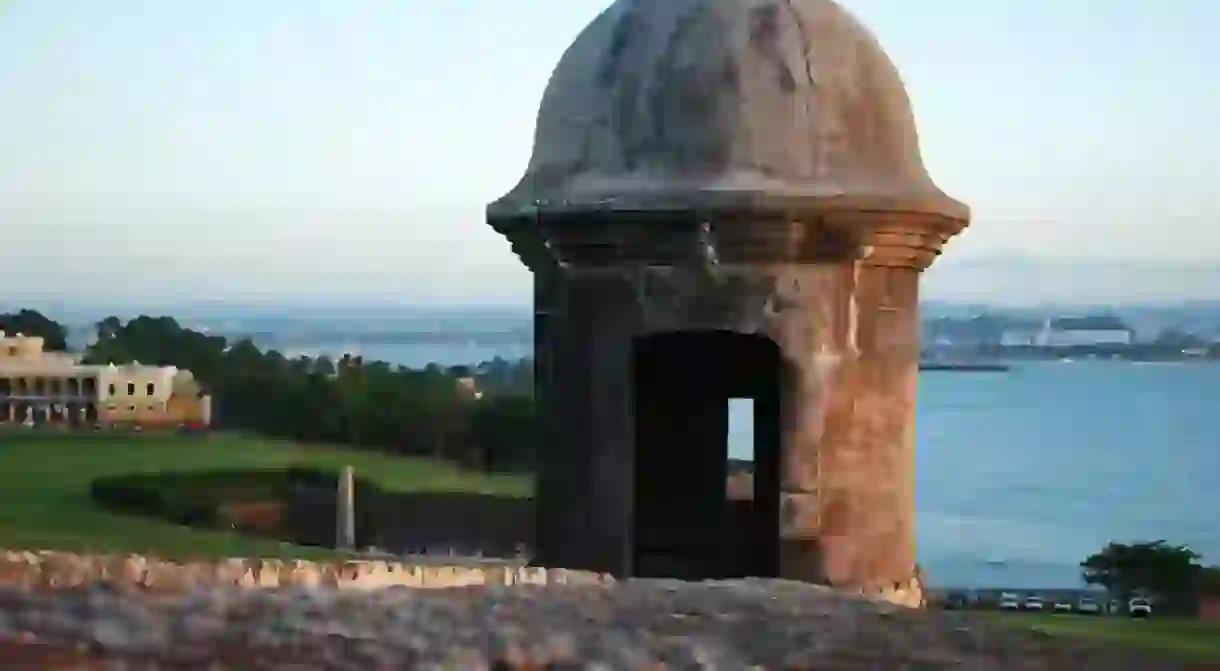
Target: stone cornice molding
<point>548,240</point>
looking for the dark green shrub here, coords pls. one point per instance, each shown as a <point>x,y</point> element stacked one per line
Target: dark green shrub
<point>194,498</point>
<point>131,494</point>
<point>153,495</point>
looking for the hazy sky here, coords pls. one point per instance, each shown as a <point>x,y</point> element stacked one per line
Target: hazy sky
<point>245,148</point>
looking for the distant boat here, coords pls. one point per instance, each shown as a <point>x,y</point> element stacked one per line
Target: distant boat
<point>964,367</point>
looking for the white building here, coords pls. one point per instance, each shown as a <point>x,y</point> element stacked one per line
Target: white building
<point>1085,331</point>
<point>40,387</point>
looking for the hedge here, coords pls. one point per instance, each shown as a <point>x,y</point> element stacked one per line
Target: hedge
<point>194,498</point>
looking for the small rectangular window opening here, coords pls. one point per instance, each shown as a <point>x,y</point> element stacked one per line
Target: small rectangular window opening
<point>740,439</point>
<point>741,429</point>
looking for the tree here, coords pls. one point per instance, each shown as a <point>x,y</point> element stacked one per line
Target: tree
<point>323,365</point>
<point>1179,339</point>
<point>34,323</point>
<point>504,429</point>
<point>369,405</point>
<point>1209,581</point>
<point>1170,572</point>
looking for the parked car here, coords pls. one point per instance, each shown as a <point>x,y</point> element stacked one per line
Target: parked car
<point>1033,603</point>
<point>1139,607</point>
<point>1062,607</point>
<point>1010,601</point>
<point>1087,606</point>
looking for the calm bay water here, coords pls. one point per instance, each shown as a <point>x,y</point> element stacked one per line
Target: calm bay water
<point>1023,474</point>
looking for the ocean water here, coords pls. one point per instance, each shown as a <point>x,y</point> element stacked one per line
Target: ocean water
<point>1021,475</point>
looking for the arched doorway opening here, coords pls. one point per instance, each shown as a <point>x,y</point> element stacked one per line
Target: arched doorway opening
<point>683,523</point>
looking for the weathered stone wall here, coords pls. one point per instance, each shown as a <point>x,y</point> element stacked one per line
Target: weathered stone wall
<point>418,522</point>
<point>49,570</point>
<point>848,330</point>
<point>62,570</point>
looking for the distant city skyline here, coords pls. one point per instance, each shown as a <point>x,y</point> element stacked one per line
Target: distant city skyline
<point>326,150</point>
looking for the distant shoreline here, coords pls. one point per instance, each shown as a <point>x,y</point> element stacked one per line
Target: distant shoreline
<point>981,367</point>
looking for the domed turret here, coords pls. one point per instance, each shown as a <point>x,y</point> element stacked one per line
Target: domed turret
<point>726,199</point>
<point>724,105</point>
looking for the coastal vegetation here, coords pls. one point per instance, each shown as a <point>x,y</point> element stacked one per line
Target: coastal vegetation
<point>347,401</point>
<point>1171,573</point>
<point>1177,583</point>
<point>276,419</point>
<point>34,323</point>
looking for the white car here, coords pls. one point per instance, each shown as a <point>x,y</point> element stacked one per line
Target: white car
<point>1033,603</point>
<point>1010,601</point>
<point>1139,607</point>
<point>1062,607</point>
<point>1087,606</point>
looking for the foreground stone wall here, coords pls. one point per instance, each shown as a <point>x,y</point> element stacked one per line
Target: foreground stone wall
<point>60,570</point>
<point>49,570</point>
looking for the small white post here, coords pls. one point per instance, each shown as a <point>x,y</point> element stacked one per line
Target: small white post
<point>346,509</point>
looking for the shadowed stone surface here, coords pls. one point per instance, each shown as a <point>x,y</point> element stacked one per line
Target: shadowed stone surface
<point>705,168</point>
<point>632,625</point>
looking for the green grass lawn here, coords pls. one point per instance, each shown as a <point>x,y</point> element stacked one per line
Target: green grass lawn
<point>45,503</point>
<point>1176,639</point>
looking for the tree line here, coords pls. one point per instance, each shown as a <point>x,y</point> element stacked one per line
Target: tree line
<point>1172,574</point>
<point>34,323</point>
<point>349,401</point>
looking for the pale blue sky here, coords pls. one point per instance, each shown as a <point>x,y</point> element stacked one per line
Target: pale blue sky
<point>254,148</point>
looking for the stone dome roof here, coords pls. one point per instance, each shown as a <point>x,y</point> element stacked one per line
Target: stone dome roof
<point>663,104</point>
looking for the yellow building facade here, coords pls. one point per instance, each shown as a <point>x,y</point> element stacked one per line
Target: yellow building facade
<point>39,387</point>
